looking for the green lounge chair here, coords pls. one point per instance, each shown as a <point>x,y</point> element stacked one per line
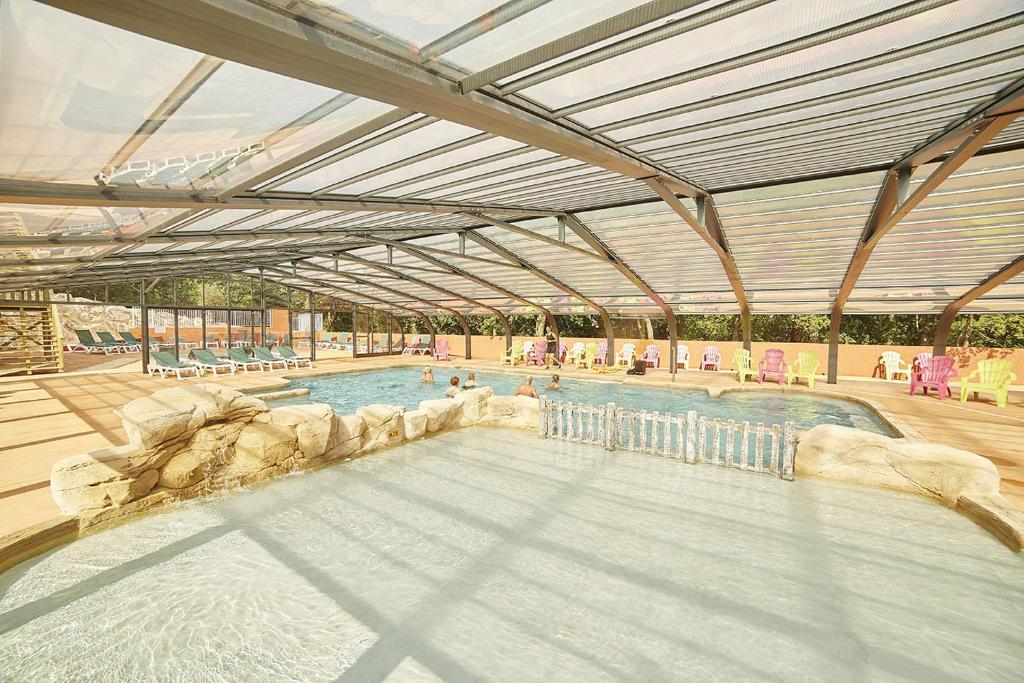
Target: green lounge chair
<point>130,340</point>
<point>263,355</point>
<point>805,367</point>
<point>744,364</point>
<point>288,355</point>
<point>87,343</point>
<point>107,338</point>
<point>164,362</point>
<point>993,376</point>
<point>238,358</point>
<point>207,360</point>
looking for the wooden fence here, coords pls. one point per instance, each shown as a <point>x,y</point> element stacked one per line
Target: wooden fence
<point>760,448</point>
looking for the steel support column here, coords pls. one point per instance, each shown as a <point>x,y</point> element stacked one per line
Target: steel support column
<point>312,326</point>
<point>144,322</point>
<point>1004,274</point>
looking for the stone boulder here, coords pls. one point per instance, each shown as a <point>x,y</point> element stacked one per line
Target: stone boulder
<point>848,454</point>
<point>347,435</point>
<point>103,478</point>
<point>385,426</point>
<point>415,424</point>
<point>472,405</point>
<point>209,449</point>
<point>441,413</point>
<point>261,445</point>
<point>312,424</point>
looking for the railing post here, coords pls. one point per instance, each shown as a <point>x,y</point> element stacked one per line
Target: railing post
<point>609,427</point>
<point>789,451</point>
<point>542,422</point>
<point>691,436</point>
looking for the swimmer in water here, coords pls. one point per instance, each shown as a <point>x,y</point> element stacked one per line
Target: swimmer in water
<point>428,375</point>
<point>526,388</point>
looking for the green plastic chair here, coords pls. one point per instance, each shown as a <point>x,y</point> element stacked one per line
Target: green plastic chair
<point>209,361</point>
<point>289,356</point>
<point>993,376</point>
<point>240,360</point>
<point>744,364</point>
<point>164,362</point>
<point>264,356</point>
<point>805,367</point>
<point>513,354</point>
<point>589,355</point>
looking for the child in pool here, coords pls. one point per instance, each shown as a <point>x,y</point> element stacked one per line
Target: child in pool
<point>453,387</point>
<point>470,382</point>
<point>553,384</point>
<point>428,375</point>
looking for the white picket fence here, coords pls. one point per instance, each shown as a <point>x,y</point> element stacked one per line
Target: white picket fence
<point>760,448</point>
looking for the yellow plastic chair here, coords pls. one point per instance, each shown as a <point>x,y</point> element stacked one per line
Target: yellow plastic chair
<point>993,376</point>
<point>589,354</point>
<point>805,368</point>
<point>744,364</point>
<point>512,354</point>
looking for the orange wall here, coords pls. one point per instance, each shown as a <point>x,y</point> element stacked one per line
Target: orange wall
<point>854,360</point>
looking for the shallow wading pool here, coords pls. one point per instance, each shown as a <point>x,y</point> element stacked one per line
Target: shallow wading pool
<point>402,386</point>
<point>489,554</point>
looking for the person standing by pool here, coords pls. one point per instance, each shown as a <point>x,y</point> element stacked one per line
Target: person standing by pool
<point>526,388</point>
<point>470,382</point>
<point>453,387</point>
<point>428,375</point>
<point>554,383</point>
<point>551,353</point>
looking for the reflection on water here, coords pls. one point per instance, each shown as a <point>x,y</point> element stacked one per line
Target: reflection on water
<point>523,560</point>
<point>402,386</point>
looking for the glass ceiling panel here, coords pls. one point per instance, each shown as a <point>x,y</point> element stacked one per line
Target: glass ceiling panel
<point>426,138</point>
<point>797,239</point>
<point>930,25</point>
<point>75,90</point>
<point>966,230</point>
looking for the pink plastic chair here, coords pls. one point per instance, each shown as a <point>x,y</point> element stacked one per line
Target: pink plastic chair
<point>711,359</point>
<point>773,363</point>
<point>540,347</point>
<point>652,356</point>
<point>935,375</point>
<point>441,351</point>
<point>602,354</point>
<point>563,350</point>
<point>921,361</point>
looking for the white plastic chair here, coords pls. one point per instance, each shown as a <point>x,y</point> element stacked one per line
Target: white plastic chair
<point>895,365</point>
<point>627,355</point>
<point>682,356</point>
<point>576,353</point>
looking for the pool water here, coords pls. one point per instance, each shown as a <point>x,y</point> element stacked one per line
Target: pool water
<point>487,554</point>
<point>402,386</point>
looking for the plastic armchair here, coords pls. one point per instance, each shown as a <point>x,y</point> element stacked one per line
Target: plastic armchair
<point>513,354</point>
<point>993,376</point>
<point>682,356</point>
<point>805,368</point>
<point>936,376</point>
<point>576,353</point>
<point>540,347</point>
<point>651,356</point>
<point>441,352</point>
<point>626,356</point>
<point>921,361</point>
<point>894,365</point>
<point>711,359</point>
<point>562,350</point>
<point>588,357</point>
<point>773,363</point>
<point>744,364</point>
<point>601,354</point>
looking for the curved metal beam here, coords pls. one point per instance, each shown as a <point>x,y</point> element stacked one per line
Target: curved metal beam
<point>1004,274</point>
<point>554,282</point>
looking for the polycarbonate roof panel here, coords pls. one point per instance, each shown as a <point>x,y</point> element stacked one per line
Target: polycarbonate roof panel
<point>793,243</point>
<point>666,253</point>
<point>967,229</point>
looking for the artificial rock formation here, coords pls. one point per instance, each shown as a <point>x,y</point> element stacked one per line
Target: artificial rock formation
<point>959,479</point>
<point>195,438</point>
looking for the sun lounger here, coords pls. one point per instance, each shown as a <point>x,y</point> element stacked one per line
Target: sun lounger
<point>288,354</point>
<point>208,361</point>
<point>107,338</point>
<point>164,362</point>
<point>88,343</point>
<point>240,360</point>
<point>263,355</point>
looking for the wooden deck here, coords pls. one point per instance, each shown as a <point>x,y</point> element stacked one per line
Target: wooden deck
<point>49,417</point>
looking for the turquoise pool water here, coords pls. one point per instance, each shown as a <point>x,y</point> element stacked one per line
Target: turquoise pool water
<point>402,386</point>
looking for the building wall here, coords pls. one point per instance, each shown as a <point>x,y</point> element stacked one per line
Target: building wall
<point>855,360</point>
